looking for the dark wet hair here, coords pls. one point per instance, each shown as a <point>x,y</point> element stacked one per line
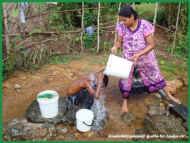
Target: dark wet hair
<point>105,80</point>
<point>127,11</point>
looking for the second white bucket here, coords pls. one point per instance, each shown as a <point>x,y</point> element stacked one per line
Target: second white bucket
<point>84,120</point>
<point>117,66</point>
<point>48,106</point>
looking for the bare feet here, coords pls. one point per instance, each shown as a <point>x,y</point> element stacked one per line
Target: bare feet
<point>172,97</point>
<point>124,106</point>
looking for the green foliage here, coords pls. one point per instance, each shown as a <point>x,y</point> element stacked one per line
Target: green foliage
<point>15,12</point>
<point>147,12</point>
<point>65,20</point>
<point>183,22</point>
<point>161,17</point>
<point>35,30</point>
<point>181,49</point>
<point>89,41</point>
<point>90,17</point>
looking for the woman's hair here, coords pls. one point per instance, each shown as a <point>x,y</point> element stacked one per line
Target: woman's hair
<point>127,11</point>
<point>105,80</point>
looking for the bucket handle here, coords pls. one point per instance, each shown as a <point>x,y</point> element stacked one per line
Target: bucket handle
<point>88,124</point>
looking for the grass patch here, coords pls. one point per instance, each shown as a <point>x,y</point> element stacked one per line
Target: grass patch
<point>171,69</point>
<point>63,59</point>
<point>99,59</point>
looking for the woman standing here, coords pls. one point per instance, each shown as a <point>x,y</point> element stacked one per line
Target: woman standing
<point>136,38</point>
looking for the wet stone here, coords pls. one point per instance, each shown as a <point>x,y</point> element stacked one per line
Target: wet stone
<point>70,137</point>
<point>33,113</point>
<point>20,129</point>
<point>156,110</point>
<point>161,124</point>
<point>61,130</point>
<point>17,86</point>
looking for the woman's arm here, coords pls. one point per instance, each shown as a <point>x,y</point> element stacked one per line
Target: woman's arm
<point>117,44</point>
<point>150,46</point>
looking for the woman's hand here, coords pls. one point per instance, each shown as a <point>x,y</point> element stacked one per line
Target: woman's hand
<point>114,50</point>
<point>135,57</point>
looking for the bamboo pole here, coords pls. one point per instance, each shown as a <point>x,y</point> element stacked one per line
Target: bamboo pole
<point>176,27</point>
<point>98,28</point>
<point>40,14</point>
<point>155,13</point>
<point>119,7</point>
<point>82,27</point>
<point>5,22</point>
<point>133,5</point>
<point>154,19</point>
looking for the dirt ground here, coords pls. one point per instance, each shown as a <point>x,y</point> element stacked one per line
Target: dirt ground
<point>57,77</point>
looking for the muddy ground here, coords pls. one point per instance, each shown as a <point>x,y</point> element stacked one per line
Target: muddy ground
<point>57,77</point>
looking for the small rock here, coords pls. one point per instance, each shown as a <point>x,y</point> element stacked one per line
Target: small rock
<point>127,118</point>
<point>89,134</point>
<point>102,134</point>
<point>18,90</point>
<point>172,86</point>
<point>17,86</point>
<point>185,81</point>
<point>46,80</point>
<point>185,125</point>
<point>54,73</point>
<point>158,95</point>
<point>139,131</point>
<point>70,137</point>
<point>77,135</point>
<point>156,109</point>
<point>60,137</point>
<point>61,130</point>
<point>24,77</point>
<point>6,85</point>
<point>50,79</point>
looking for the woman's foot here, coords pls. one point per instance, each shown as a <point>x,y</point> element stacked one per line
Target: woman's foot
<point>172,97</point>
<point>124,108</point>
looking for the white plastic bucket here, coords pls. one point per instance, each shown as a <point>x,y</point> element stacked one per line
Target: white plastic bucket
<point>117,66</point>
<point>84,120</point>
<point>48,106</point>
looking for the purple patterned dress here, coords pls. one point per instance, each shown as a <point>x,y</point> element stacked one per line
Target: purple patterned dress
<point>133,42</point>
